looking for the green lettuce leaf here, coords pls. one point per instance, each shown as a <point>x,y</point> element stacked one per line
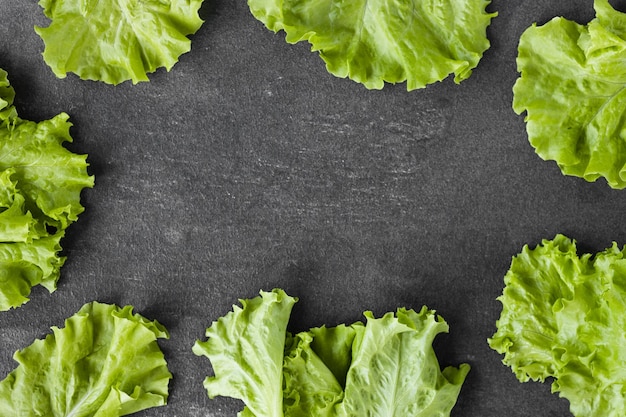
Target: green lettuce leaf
<point>25,265</point>
<point>117,40</point>
<point>386,367</point>
<point>16,223</point>
<point>334,347</point>
<point>419,42</point>
<point>310,388</point>
<point>246,349</point>
<point>395,372</point>
<point>572,88</point>
<point>563,316</point>
<point>40,186</point>
<point>7,94</point>
<point>105,362</point>
<point>49,176</point>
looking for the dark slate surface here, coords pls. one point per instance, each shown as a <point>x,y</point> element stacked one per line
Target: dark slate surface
<point>249,167</point>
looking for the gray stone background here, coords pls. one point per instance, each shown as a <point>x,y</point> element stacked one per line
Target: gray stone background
<point>249,167</point>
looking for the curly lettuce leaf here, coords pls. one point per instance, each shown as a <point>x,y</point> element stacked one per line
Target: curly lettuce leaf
<point>25,265</point>
<point>310,387</point>
<point>572,88</point>
<point>16,223</point>
<point>105,362</point>
<point>7,94</point>
<point>563,316</point>
<point>386,367</point>
<point>395,372</point>
<point>49,176</point>
<point>392,369</point>
<point>40,186</point>
<point>246,348</point>
<point>419,42</point>
<point>117,40</point>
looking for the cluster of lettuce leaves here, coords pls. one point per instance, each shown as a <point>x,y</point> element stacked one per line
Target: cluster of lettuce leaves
<point>564,317</point>
<point>105,362</point>
<point>416,41</point>
<point>573,89</point>
<point>372,43</point>
<point>117,40</point>
<point>40,186</point>
<point>386,367</point>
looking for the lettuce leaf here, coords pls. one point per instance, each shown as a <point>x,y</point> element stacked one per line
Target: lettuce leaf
<point>419,42</point>
<point>117,40</point>
<point>105,363</point>
<point>311,388</point>
<point>7,94</point>
<point>49,176</point>
<point>385,367</point>
<point>572,90</point>
<point>40,186</point>
<point>24,265</point>
<point>16,223</point>
<point>246,351</point>
<point>334,347</point>
<point>394,370</point>
<point>563,316</point>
